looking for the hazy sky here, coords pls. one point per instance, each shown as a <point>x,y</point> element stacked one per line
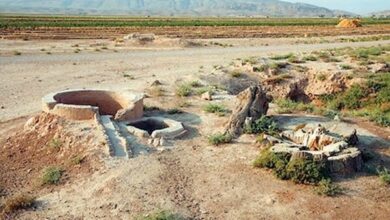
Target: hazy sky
<point>357,6</point>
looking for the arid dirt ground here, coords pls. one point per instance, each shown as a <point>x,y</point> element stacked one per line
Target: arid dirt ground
<point>195,179</point>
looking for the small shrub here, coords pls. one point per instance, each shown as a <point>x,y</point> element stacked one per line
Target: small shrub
<point>17,53</point>
<point>345,67</point>
<point>310,58</point>
<point>327,188</point>
<point>321,77</point>
<point>282,57</point>
<point>51,175</point>
<point>295,59</point>
<point>195,83</point>
<point>76,160</point>
<point>306,171</point>
<point>55,143</point>
<point>183,90</point>
<point>384,176</point>
<point>215,108</point>
<point>201,90</point>
<point>264,124</point>
<point>161,215</point>
<point>219,138</point>
<point>235,74</point>
<point>277,79</point>
<point>18,202</point>
<point>48,53</point>
<point>126,75</point>
<point>351,99</point>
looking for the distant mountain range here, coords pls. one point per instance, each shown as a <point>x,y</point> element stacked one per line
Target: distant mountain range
<point>385,13</point>
<point>274,8</point>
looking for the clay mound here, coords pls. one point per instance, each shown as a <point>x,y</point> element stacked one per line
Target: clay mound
<point>349,23</point>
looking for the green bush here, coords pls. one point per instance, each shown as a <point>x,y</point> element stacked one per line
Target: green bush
<point>310,58</point>
<point>215,108</point>
<point>183,90</point>
<point>345,67</point>
<point>235,73</point>
<point>264,124</point>
<point>51,175</point>
<point>219,138</point>
<point>289,106</point>
<point>306,171</point>
<point>282,57</point>
<point>384,176</point>
<point>327,188</point>
<point>352,97</point>
<point>161,215</point>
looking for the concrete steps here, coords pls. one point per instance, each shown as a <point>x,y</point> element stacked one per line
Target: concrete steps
<point>118,144</point>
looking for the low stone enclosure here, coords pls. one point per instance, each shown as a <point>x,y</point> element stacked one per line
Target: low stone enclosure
<point>119,115</point>
<point>308,142</point>
<point>316,142</point>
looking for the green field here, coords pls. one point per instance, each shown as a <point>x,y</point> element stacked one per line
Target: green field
<point>75,21</point>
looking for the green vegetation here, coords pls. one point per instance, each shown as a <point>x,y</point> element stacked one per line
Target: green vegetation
<point>218,109</point>
<point>290,106</point>
<point>321,77</point>
<point>219,138</point>
<point>120,21</point>
<point>183,90</point>
<point>51,175</point>
<point>282,57</point>
<point>235,73</point>
<point>304,171</point>
<point>327,188</point>
<point>384,176</point>
<point>18,202</point>
<point>174,111</point>
<point>310,58</point>
<point>264,124</point>
<point>345,67</point>
<point>55,143</point>
<point>17,53</point>
<point>161,215</point>
<point>76,160</point>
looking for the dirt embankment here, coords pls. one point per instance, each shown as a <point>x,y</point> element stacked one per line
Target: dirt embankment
<point>190,32</point>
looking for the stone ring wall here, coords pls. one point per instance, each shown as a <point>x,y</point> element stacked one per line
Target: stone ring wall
<point>87,104</point>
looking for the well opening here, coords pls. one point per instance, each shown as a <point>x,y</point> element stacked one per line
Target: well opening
<point>149,125</point>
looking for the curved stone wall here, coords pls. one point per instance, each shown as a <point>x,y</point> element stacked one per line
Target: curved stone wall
<point>85,104</point>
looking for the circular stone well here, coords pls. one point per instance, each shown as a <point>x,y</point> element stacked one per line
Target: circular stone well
<point>87,104</point>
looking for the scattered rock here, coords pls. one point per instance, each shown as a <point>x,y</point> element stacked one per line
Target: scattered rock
<point>380,68</point>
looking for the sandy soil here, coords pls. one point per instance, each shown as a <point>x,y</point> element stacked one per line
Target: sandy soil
<point>195,179</point>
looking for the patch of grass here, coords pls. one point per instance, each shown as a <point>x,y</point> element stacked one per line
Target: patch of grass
<point>76,160</point>
<point>126,75</point>
<point>55,143</point>
<point>290,106</point>
<point>220,138</point>
<point>306,171</point>
<point>161,215</point>
<point>218,109</point>
<point>264,124</point>
<point>277,79</point>
<point>295,59</point>
<point>346,67</point>
<point>384,176</point>
<point>310,58</point>
<point>250,60</point>
<point>183,90</point>
<point>321,77</point>
<point>298,170</point>
<point>22,201</point>
<point>51,175</point>
<point>201,90</point>
<point>367,52</point>
<point>261,68</point>
<point>352,97</point>
<point>282,57</point>
<point>327,188</point>
<point>195,83</point>
<point>235,73</point>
